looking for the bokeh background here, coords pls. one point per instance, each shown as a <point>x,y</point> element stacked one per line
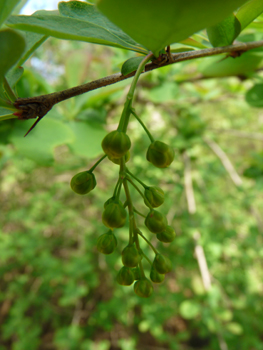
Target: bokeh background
<point>56,291</point>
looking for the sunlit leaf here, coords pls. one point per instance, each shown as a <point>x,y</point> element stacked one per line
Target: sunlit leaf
<point>6,7</point>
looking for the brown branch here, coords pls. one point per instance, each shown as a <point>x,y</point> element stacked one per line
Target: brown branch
<point>39,106</point>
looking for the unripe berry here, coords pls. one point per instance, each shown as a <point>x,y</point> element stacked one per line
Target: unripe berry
<point>154,195</point>
<point>136,272</point>
<point>116,144</point>
<point>107,243</point>
<point>114,215</point>
<point>155,221</point>
<point>118,160</point>
<point>167,236</point>
<point>155,276</point>
<point>130,256</point>
<point>125,276</point>
<point>160,154</point>
<point>162,264</point>
<point>83,183</point>
<point>143,288</point>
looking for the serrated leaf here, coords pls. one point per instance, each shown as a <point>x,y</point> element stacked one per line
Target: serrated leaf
<point>254,96</point>
<point>40,143</point>
<point>6,7</point>
<point>12,46</point>
<point>156,24</point>
<point>51,24</point>
<point>225,32</point>
<point>87,139</point>
<point>248,12</point>
<point>131,65</point>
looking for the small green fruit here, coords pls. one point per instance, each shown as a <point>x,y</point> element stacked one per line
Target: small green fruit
<point>130,256</point>
<point>155,276</point>
<point>114,215</point>
<point>83,183</point>
<point>160,154</point>
<point>137,273</point>
<point>143,288</point>
<point>155,221</point>
<point>118,160</point>
<point>116,144</point>
<point>154,195</point>
<point>125,276</point>
<point>167,236</point>
<point>107,243</point>
<point>162,264</point>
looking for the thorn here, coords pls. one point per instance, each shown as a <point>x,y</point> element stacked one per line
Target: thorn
<point>32,127</point>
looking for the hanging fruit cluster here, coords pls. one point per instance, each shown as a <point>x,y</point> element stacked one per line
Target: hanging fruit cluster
<point>116,146</point>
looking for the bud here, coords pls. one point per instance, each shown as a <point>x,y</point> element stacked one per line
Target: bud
<point>154,195</point>
<point>107,243</point>
<point>112,200</point>
<point>130,256</point>
<point>167,236</point>
<point>160,154</point>
<point>162,264</point>
<point>83,183</point>
<point>143,288</point>
<point>155,276</point>
<point>136,272</point>
<point>125,276</point>
<point>116,144</point>
<point>155,221</point>
<point>114,215</point>
<point>118,160</point>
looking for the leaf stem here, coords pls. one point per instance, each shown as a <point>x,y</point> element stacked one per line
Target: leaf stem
<point>10,93</point>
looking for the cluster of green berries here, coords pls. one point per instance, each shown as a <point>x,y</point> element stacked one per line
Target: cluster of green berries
<point>116,146</point>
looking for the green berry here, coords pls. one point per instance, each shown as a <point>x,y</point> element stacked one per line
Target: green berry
<point>114,215</point>
<point>83,183</point>
<point>160,154</point>
<point>125,276</point>
<point>155,276</point>
<point>107,243</point>
<point>116,144</point>
<point>130,256</point>
<point>155,221</point>
<point>143,288</point>
<point>162,264</point>
<point>167,236</point>
<point>154,195</point>
<point>118,160</point>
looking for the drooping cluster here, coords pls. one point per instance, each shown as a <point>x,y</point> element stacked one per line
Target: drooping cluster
<point>116,146</point>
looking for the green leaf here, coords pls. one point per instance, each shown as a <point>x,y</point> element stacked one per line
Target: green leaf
<point>156,25</point>
<point>74,28</point>
<point>221,66</point>
<point>254,96</point>
<point>87,139</point>
<point>6,7</point>
<point>248,12</point>
<point>131,65</point>
<point>40,143</point>
<point>189,309</point>
<point>225,32</point>
<point>12,46</point>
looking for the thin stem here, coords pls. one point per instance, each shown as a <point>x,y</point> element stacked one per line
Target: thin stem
<point>147,241</point>
<point>129,201</point>
<point>136,178</point>
<point>124,121</point>
<point>97,163</point>
<point>10,93</point>
<point>146,257</point>
<point>138,190</point>
<point>7,105</point>
<point>142,124</point>
<point>137,212</point>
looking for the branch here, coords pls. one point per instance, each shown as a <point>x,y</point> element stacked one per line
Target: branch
<point>39,106</point>
<point>225,161</point>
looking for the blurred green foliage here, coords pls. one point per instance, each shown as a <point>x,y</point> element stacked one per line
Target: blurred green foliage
<point>57,291</point>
